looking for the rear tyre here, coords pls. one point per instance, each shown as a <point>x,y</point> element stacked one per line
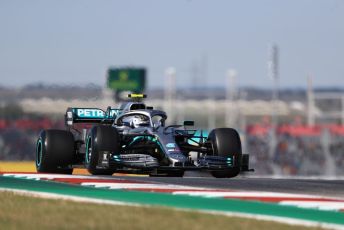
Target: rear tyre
<point>55,152</point>
<point>101,139</point>
<point>226,143</point>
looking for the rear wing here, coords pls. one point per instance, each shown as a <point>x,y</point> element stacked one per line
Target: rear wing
<point>90,115</point>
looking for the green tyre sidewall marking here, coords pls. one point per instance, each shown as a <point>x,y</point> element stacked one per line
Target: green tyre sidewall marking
<point>39,153</point>
<point>87,160</point>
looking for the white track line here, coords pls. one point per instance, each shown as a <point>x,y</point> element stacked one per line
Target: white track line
<point>329,178</point>
<point>134,186</point>
<point>243,194</point>
<point>321,205</point>
<point>51,176</point>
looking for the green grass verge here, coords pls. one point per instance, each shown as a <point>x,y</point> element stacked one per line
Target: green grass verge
<point>24,212</point>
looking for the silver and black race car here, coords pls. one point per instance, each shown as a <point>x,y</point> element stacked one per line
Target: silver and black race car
<point>135,139</point>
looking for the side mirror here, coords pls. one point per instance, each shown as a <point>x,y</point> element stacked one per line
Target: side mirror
<point>189,123</point>
<point>156,126</point>
<point>107,113</point>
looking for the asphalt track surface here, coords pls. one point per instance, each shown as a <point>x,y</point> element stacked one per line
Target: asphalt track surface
<point>312,186</point>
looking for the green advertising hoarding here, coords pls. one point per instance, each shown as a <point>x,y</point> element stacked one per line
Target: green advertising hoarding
<point>127,79</point>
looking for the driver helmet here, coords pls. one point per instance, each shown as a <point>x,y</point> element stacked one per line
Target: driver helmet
<point>137,122</point>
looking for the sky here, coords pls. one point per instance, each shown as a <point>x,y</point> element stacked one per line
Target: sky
<point>75,42</point>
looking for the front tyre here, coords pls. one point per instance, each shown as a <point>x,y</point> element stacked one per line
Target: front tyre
<point>226,143</point>
<point>55,151</point>
<point>101,142</point>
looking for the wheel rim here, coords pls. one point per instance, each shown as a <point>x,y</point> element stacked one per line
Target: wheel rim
<point>39,151</point>
<point>88,150</point>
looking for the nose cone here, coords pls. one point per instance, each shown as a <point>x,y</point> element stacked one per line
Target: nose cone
<point>177,159</point>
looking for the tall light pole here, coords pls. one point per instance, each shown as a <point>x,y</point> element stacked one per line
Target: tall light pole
<point>273,73</point>
<point>170,92</point>
<point>231,114</point>
<point>342,121</point>
<point>310,102</point>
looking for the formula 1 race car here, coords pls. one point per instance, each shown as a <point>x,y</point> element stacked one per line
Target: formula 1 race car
<point>135,139</point>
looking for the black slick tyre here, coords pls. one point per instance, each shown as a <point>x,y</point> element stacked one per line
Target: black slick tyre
<point>101,139</point>
<point>55,151</point>
<point>226,143</point>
